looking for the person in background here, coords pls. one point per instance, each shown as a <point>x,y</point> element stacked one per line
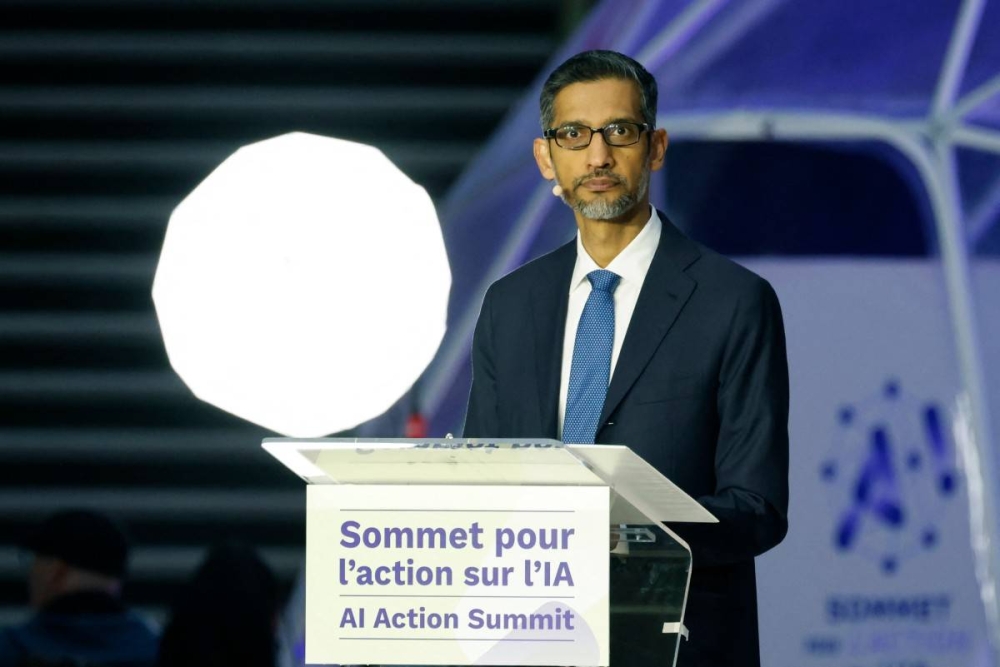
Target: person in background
<point>78,563</point>
<point>226,616</point>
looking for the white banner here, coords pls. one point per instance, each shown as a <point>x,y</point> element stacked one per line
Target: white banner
<point>457,575</point>
<point>877,569</point>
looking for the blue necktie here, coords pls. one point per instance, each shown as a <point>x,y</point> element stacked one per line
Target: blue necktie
<point>591,369</point>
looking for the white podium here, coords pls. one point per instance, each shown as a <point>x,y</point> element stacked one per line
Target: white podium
<point>489,552</point>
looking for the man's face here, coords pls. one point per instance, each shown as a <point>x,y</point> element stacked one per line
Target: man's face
<point>602,182</point>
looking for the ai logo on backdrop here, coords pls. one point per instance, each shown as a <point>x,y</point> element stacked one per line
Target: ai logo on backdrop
<point>890,474</point>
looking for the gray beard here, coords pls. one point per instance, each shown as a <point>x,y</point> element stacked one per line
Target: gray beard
<point>601,209</point>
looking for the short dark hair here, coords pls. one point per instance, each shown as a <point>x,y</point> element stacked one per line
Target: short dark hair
<point>595,66</point>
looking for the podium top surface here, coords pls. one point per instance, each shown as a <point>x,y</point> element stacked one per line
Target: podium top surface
<point>641,494</point>
<point>424,461</point>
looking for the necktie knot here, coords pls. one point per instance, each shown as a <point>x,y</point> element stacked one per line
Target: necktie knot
<point>604,280</point>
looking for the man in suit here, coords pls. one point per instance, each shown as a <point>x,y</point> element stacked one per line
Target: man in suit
<point>634,334</point>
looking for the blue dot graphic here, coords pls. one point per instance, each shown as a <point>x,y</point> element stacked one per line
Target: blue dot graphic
<point>929,538</point>
<point>946,484</point>
<point>890,471</point>
<point>891,389</point>
<point>846,415</point>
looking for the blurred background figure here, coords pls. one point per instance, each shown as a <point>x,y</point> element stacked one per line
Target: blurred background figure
<point>227,615</point>
<point>78,561</point>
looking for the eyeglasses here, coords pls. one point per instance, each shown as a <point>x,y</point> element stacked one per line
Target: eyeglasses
<point>577,137</point>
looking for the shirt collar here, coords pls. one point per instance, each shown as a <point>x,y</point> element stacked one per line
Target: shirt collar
<point>631,264</point>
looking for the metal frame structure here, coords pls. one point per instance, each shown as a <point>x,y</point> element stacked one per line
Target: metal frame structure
<point>930,145</point>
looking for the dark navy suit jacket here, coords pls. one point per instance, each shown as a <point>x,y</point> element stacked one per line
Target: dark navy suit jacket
<point>700,390</point>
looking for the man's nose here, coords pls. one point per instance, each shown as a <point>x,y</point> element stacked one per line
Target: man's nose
<point>599,155</point>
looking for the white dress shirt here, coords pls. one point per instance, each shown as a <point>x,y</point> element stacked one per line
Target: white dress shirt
<point>631,264</point>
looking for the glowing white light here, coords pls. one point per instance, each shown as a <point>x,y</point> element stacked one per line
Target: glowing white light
<point>303,285</point>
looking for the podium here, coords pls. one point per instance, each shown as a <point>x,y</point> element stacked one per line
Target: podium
<point>489,552</point>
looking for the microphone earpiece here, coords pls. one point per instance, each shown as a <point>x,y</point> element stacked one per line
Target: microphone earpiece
<point>557,190</point>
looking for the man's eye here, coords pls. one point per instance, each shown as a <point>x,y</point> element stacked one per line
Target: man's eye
<point>620,130</point>
<point>571,132</point>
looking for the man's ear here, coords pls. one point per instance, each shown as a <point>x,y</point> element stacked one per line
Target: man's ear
<point>543,159</point>
<point>658,141</point>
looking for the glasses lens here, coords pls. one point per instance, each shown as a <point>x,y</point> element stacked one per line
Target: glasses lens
<point>573,136</point>
<point>621,134</point>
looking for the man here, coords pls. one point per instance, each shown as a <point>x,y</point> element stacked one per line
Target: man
<point>634,334</point>
<point>75,583</point>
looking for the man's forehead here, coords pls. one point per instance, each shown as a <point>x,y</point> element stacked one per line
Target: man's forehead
<point>598,101</point>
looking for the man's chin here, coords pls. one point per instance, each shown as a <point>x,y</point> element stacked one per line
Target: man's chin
<point>619,210</point>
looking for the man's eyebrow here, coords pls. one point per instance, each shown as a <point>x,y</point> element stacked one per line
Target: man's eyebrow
<point>611,121</point>
<point>572,122</point>
<point>622,119</point>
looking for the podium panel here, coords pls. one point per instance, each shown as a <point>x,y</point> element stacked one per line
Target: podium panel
<point>456,575</point>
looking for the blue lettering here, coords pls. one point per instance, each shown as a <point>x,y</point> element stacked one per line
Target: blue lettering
<point>347,529</point>
<point>876,492</point>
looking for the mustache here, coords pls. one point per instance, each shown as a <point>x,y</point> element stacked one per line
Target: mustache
<point>599,173</point>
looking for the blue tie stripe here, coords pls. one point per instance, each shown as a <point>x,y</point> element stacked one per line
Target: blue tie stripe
<point>591,367</point>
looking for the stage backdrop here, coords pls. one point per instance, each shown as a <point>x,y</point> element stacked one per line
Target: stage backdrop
<point>878,567</point>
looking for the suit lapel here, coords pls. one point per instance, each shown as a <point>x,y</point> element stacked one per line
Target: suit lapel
<point>664,293</point>
<point>550,299</point>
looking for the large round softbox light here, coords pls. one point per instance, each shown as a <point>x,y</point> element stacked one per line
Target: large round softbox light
<point>303,285</point>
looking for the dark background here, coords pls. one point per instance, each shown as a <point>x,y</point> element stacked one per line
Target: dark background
<point>110,113</point>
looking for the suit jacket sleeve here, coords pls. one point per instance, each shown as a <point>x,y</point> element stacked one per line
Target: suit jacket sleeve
<point>481,419</point>
<point>751,458</point>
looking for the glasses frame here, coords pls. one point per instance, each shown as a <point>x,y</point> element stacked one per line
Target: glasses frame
<point>643,127</point>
